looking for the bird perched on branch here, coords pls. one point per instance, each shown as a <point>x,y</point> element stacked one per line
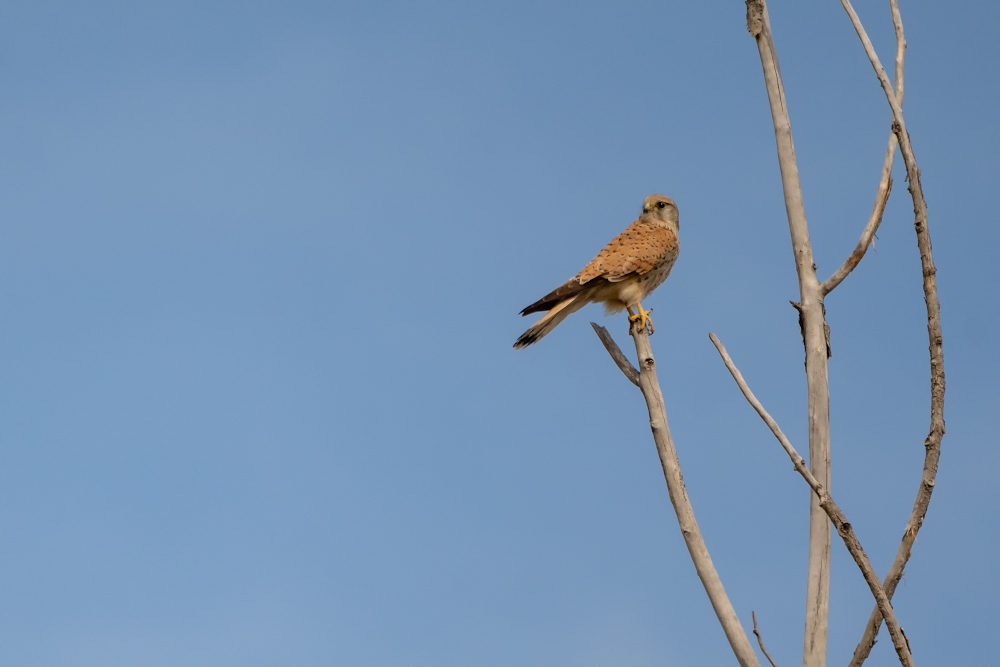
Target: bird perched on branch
<point>621,276</point>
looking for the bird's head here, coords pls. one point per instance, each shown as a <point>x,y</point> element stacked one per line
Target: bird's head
<point>661,210</point>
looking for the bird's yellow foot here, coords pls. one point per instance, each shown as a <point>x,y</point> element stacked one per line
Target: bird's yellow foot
<point>642,317</point>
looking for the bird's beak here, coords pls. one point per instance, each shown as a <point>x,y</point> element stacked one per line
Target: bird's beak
<point>645,209</point>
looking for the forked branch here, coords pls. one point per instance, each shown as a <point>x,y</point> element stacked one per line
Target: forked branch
<point>840,522</point>
<point>932,443</point>
<point>650,387</point>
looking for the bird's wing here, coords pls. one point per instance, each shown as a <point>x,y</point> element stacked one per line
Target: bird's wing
<point>567,290</point>
<point>642,247</point>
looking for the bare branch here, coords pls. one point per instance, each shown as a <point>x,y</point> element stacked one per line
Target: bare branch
<point>932,444</point>
<point>650,387</point>
<point>797,461</point>
<point>881,198</point>
<point>885,182</point>
<point>616,353</point>
<point>814,337</point>
<point>760,641</point>
<point>840,522</point>
<point>899,125</point>
<point>897,27</point>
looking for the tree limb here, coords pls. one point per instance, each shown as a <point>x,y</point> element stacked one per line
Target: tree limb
<point>881,198</point>
<point>885,182</point>
<point>616,353</point>
<point>650,387</point>
<point>760,641</point>
<point>840,522</point>
<point>932,443</point>
<point>814,336</point>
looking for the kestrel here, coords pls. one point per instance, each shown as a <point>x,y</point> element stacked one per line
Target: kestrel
<point>621,276</point>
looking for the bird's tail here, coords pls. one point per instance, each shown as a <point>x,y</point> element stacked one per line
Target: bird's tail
<point>550,320</point>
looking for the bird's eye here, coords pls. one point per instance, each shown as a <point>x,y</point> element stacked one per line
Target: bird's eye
<point>662,204</point>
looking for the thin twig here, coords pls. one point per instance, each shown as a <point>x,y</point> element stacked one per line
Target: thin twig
<point>650,387</point>
<point>932,444</point>
<point>760,641</point>
<point>840,522</point>
<point>885,182</point>
<point>814,337</point>
<point>881,198</point>
<point>616,353</point>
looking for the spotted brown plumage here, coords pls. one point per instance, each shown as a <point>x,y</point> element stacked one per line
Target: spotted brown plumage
<point>631,266</point>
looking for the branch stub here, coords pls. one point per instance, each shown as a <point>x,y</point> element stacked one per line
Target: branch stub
<point>755,17</point>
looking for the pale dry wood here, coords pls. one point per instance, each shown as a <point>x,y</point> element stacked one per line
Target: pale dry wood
<point>650,386</point>
<point>814,335</point>
<point>836,516</point>
<point>760,641</point>
<point>881,198</point>
<point>616,353</point>
<point>885,182</point>
<point>932,444</point>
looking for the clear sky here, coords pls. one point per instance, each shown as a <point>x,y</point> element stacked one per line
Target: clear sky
<point>260,270</point>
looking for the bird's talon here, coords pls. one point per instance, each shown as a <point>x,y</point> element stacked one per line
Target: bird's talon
<point>643,319</point>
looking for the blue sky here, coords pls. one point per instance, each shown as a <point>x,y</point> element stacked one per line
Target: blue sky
<point>261,265</point>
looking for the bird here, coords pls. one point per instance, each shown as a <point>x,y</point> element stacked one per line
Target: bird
<point>625,272</point>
